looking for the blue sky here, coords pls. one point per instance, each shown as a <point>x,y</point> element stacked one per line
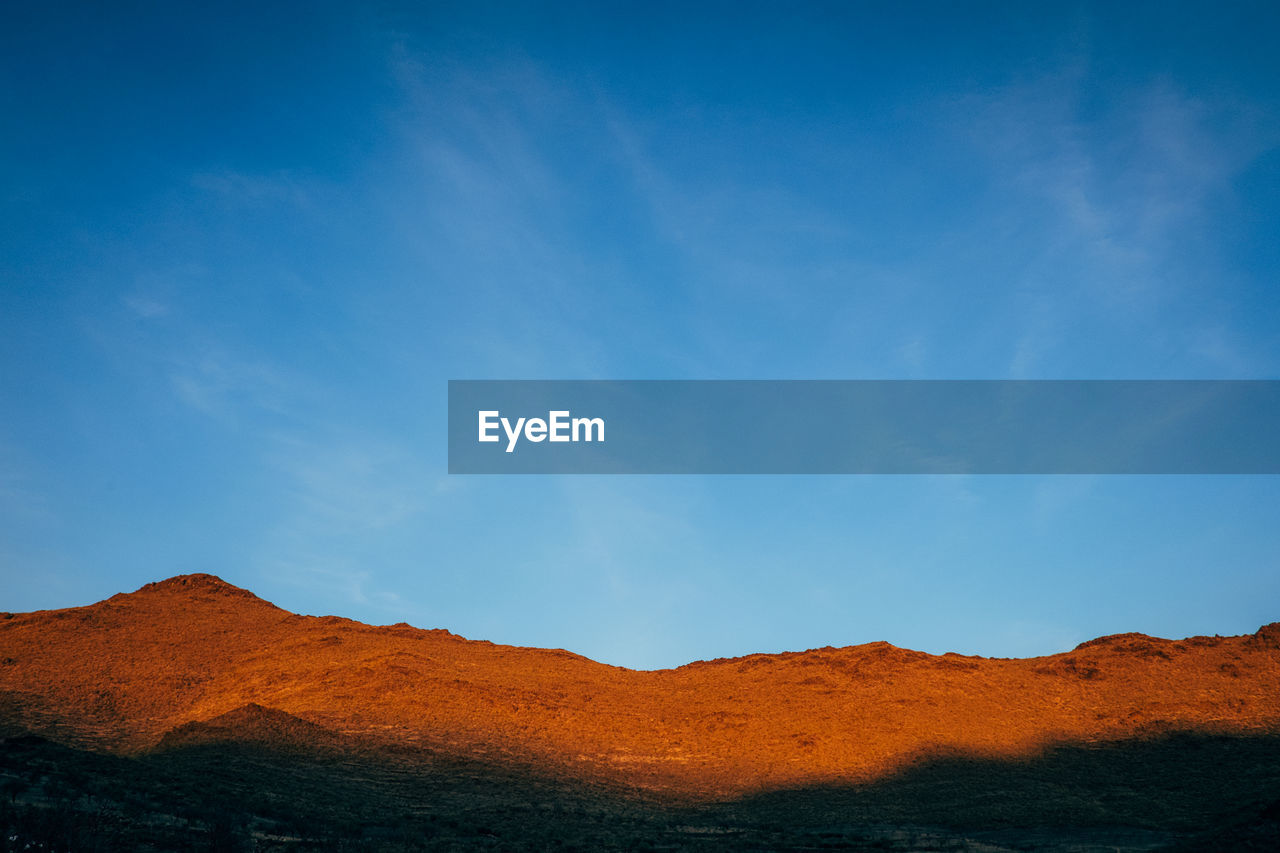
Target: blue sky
<point>242,252</point>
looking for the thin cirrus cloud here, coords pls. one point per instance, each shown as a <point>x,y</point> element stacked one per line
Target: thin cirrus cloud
<point>1110,208</point>
<point>1098,211</point>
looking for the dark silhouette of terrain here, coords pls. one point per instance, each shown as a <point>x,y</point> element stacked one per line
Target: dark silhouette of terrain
<point>193,715</point>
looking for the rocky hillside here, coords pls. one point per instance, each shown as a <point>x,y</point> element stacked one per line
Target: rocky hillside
<point>195,658</point>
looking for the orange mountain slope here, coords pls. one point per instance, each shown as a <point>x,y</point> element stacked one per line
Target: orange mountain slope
<point>123,674</point>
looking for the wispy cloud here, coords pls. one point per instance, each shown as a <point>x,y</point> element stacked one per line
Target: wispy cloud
<point>258,190</point>
<point>21,498</point>
<point>334,579</point>
<point>1111,195</point>
<point>145,307</point>
<point>356,485</point>
<point>487,214</point>
<point>172,352</point>
<point>223,385</point>
<point>339,500</point>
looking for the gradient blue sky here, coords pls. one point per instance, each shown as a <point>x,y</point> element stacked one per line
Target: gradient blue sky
<point>242,252</point>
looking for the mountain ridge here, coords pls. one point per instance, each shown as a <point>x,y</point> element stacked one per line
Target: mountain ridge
<point>125,673</point>
<point>205,586</point>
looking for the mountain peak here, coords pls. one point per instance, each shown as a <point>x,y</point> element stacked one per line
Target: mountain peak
<point>195,580</point>
<point>197,585</point>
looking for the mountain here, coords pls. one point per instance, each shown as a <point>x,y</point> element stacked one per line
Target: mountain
<point>193,666</point>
